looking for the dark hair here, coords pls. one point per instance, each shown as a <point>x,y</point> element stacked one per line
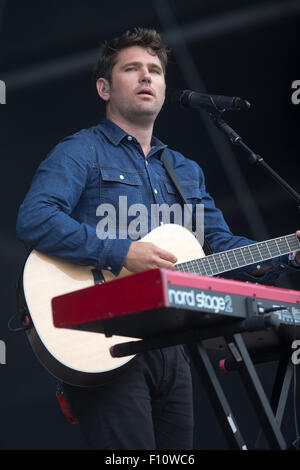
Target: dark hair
<point>143,37</point>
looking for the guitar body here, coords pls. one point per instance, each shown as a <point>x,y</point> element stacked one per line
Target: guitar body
<point>79,357</point>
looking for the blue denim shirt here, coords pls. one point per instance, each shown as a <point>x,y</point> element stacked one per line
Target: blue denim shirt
<point>60,214</point>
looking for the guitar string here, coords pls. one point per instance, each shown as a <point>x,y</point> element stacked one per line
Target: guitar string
<point>288,243</point>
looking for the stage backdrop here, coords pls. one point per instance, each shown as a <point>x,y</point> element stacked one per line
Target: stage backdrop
<point>47,49</point>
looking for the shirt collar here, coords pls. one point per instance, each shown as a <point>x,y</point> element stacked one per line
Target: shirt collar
<point>115,134</point>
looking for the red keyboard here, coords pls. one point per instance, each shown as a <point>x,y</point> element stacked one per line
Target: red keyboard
<point>158,301</point>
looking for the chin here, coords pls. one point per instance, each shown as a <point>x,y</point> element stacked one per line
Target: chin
<point>148,110</point>
<point>145,112</point>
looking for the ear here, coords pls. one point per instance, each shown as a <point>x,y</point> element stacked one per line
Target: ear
<point>103,88</point>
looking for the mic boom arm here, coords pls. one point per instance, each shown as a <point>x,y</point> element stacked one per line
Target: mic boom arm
<point>235,139</point>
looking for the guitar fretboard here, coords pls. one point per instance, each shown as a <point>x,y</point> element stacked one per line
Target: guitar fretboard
<point>218,263</point>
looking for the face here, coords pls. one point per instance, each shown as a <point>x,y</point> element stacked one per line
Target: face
<point>137,89</point>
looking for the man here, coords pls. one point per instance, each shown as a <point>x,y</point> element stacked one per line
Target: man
<point>150,406</point>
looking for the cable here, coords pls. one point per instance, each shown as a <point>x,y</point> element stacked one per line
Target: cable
<point>15,330</point>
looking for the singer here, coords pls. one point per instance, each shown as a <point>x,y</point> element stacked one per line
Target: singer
<point>150,406</point>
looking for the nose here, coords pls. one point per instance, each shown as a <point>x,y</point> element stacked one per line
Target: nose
<point>145,75</point>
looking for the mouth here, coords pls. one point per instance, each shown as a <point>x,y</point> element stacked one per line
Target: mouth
<point>145,92</point>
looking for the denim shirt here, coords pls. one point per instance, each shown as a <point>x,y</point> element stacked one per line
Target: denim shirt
<point>62,209</point>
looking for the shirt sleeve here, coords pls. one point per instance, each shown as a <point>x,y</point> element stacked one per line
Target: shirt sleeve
<point>221,238</point>
<point>45,219</point>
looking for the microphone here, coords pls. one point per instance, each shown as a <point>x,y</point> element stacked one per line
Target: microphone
<point>210,103</point>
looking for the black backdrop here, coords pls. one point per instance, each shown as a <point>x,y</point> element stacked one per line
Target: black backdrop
<point>47,49</point>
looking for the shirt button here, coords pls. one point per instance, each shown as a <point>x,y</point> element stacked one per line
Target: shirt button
<point>129,137</point>
<point>121,177</point>
<point>146,162</point>
<point>155,191</point>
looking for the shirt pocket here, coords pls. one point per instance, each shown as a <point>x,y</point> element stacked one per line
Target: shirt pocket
<point>190,190</point>
<point>116,182</point>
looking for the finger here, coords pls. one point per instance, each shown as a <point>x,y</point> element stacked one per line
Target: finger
<point>166,255</point>
<point>163,264</point>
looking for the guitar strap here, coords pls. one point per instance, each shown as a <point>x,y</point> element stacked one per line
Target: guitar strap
<point>170,170</point>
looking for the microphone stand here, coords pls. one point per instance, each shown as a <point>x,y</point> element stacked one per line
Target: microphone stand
<point>284,371</point>
<point>254,159</point>
<point>252,156</point>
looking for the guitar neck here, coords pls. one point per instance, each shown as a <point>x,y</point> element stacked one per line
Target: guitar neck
<point>240,257</point>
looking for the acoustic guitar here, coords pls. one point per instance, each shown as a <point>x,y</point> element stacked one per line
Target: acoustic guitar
<point>82,358</point>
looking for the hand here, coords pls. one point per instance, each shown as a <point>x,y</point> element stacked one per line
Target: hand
<point>144,255</point>
<point>298,252</point>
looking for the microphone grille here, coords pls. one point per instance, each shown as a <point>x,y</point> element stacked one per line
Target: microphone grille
<point>179,97</point>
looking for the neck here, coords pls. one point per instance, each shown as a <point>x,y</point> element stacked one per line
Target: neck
<point>141,131</point>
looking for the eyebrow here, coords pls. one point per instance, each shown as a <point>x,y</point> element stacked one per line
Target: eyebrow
<point>151,64</point>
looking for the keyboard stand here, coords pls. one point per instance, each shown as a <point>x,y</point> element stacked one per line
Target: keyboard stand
<point>263,407</point>
<point>216,396</point>
<point>269,413</point>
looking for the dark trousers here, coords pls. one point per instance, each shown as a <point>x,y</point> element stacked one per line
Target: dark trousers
<point>149,406</point>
